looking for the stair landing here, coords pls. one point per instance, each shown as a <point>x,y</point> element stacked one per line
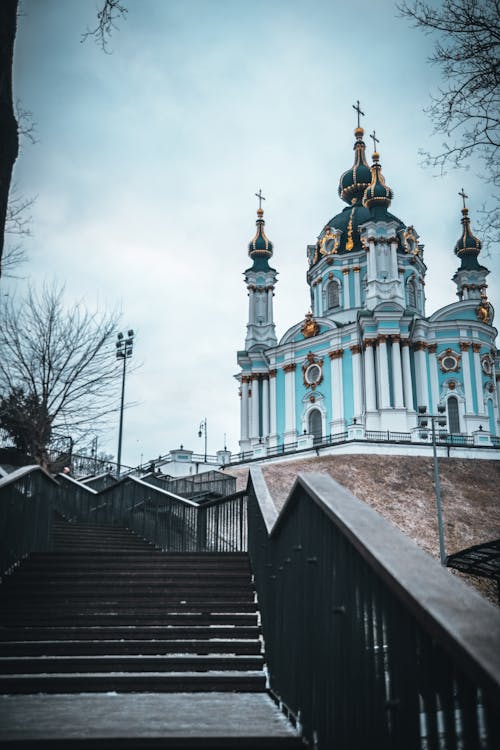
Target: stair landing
<point>172,720</point>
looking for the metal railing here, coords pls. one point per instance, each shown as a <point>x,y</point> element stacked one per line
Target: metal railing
<point>169,521</point>
<point>369,642</point>
<point>25,515</point>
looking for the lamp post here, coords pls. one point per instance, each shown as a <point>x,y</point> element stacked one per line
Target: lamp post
<point>203,431</point>
<point>124,348</point>
<point>423,419</point>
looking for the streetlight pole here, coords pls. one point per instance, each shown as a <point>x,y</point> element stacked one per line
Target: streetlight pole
<point>124,348</point>
<point>423,418</point>
<point>203,431</point>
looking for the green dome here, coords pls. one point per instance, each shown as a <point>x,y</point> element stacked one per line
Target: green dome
<point>354,181</point>
<point>260,249</point>
<point>468,246</point>
<point>378,195</point>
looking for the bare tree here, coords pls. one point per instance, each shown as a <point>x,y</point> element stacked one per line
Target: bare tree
<point>107,17</point>
<point>58,371</point>
<point>466,108</point>
<point>10,125</point>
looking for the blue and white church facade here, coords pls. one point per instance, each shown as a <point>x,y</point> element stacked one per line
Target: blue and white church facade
<point>367,356</point>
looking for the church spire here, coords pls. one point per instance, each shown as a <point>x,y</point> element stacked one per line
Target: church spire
<point>260,248</point>
<point>378,195</point>
<point>354,181</point>
<point>470,278</point>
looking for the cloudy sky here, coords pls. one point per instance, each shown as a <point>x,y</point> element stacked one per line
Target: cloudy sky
<point>148,159</point>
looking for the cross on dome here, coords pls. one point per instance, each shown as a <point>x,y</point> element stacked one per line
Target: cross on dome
<point>260,197</point>
<point>358,110</point>
<point>375,141</point>
<point>463,196</point>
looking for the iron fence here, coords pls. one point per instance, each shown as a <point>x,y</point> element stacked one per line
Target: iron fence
<point>369,642</point>
<point>26,507</point>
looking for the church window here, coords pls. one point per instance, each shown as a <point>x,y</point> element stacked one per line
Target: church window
<point>313,374</point>
<point>453,415</point>
<point>487,365</point>
<point>332,295</point>
<point>315,424</point>
<point>411,292</point>
<point>449,361</point>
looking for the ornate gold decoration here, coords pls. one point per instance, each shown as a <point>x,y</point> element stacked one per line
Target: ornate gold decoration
<point>464,346</point>
<point>452,385</point>
<point>476,348</point>
<point>432,348</point>
<point>290,367</point>
<point>272,373</point>
<point>370,342</point>
<point>395,338</point>
<point>312,399</point>
<point>490,387</point>
<point>356,269</point>
<point>419,346</point>
<point>355,349</point>
<point>310,327</point>
<point>405,342</point>
<point>350,242</point>
<point>345,271</point>
<point>484,310</point>
<point>410,241</point>
<point>328,235</point>
<point>382,338</point>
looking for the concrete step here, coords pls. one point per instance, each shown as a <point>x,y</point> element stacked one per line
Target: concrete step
<point>12,665</point>
<point>111,647</point>
<point>154,682</point>
<point>133,632</point>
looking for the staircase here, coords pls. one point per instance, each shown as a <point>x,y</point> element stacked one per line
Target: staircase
<point>170,641</point>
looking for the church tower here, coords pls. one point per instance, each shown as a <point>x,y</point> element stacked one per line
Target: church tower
<point>257,386</point>
<point>470,278</point>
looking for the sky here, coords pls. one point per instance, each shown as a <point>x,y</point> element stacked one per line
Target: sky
<point>148,159</point>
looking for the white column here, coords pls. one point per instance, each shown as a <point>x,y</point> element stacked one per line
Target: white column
<point>433,367</point>
<point>357,380</point>
<point>270,304</point>
<point>394,261</point>
<point>421,374</point>
<point>251,305</point>
<point>244,408</point>
<point>469,403</point>
<point>337,423</point>
<point>397,381</point>
<point>255,406</point>
<point>384,400</point>
<point>357,286</point>
<point>265,407</point>
<point>479,378</point>
<point>407,385</point>
<point>272,402</point>
<point>370,256</point>
<point>370,392</point>
<point>290,428</point>
<point>347,295</point>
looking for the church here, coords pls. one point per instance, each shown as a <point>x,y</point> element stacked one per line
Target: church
<point>367,357</point>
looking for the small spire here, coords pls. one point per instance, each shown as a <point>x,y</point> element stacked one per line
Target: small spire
<point>354,181</point>
<point>468,246</point>
<point>358,110</point>
<point>378,194</point>
<point>260,248</point>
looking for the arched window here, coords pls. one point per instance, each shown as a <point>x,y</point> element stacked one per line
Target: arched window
<point>315,424</point>
<point>411,292</point>
<point>453,416</point>
<point>332,295</point>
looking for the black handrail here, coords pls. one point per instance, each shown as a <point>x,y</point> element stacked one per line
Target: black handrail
<point>369,642</point>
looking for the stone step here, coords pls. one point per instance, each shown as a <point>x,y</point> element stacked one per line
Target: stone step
<point>154,682</point>
<point>136,633</point>
<point>129,646</point>
<point>153,607</point>
<point>12,665</point>
<point>139,618</point>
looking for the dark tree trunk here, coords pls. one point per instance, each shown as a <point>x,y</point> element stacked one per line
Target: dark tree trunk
<point>9,140</point>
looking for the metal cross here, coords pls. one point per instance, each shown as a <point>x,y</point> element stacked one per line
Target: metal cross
<point>260,197</point>
<point>464,196</point>
<point>375,140</point>
<point>358,110</point>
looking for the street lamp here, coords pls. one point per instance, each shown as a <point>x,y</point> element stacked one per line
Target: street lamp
<point>124,347</point>
<point>203,431</point>
<point>423,419</point>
